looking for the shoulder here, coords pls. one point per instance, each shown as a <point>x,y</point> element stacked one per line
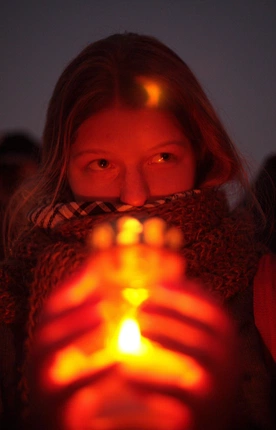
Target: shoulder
<point>16,274</point>
<point>265,301</point>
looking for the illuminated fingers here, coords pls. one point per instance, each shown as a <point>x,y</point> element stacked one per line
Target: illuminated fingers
<point>122,407</point>
<point>189,323</point>
<point>183,336</point>
<point>190,352</point>
<point>71,365</point>
<point>188,303</point>
<point>70,335</point>
<point>77,291</point>
<point>68,324</point>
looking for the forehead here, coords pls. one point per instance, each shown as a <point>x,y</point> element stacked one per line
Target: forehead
<point>120,127</point>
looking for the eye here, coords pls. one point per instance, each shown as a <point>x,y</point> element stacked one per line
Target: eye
<point>100,164</point>
<point>163,157</point>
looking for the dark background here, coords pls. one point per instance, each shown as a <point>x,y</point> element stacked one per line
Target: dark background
<point>230,45</point>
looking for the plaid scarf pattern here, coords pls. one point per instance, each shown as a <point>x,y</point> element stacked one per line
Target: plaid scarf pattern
<point>49,217</point>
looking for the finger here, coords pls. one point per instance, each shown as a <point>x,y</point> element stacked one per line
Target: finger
<point>191,305</point>
<point>80,288</point>
<point>199,408</point>
<point>57,330</point>
<point>184,379</point>
<point>120,407</point>
<point>50,403</point>
<point>68,365</point>
<point>185,336</point>
<point>160,366</point>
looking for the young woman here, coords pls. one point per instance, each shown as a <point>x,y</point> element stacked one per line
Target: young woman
<point>129,130</point>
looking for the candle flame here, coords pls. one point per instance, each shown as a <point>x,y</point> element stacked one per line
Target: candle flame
<point>129,340</point>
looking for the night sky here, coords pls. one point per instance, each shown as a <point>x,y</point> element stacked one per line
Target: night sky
<point>230,45</point>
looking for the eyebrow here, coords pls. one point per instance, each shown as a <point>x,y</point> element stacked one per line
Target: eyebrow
<point>90,151</point>
<point>181,143</point>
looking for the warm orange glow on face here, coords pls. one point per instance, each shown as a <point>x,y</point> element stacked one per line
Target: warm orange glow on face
<point>132,147</point>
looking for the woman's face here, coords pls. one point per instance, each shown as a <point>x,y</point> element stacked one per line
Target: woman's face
<point>130,156</point>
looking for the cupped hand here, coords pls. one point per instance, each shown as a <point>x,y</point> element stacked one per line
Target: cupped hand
<point>185,380</point>
<point>67,352</point>
<point>194,359</point>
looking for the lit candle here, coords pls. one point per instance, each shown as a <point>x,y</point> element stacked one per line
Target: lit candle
<point>129,339</point>
<point>126,265</point>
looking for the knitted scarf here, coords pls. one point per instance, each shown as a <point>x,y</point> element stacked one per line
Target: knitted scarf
<point>218,246</point>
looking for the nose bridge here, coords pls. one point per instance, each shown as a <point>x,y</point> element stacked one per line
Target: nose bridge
<point>134,186</point>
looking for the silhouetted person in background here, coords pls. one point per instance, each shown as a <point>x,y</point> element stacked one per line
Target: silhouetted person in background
<point>19,160</point>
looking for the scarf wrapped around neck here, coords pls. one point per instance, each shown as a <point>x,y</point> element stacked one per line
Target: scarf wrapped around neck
<point>219,246</point>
